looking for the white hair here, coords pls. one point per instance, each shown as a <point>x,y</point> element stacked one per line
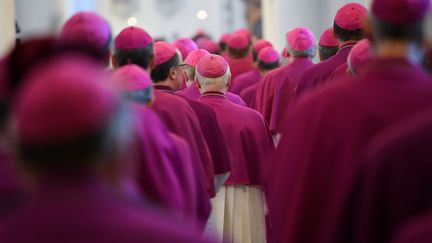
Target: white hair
<point>311,52</point>
<point>219,82</point>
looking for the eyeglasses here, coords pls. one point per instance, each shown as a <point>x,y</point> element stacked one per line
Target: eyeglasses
<point>183,65</point>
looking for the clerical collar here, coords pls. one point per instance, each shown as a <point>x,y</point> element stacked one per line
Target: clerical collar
<point>163,87</point>
<point>214,93</point>
<point>346,46</point>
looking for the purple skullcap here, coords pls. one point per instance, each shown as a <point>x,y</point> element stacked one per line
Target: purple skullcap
<point>238,41</point>
<point>268,55</point>
<point>224,38</point>
<point>261,44</point>
<point>208,44</point>
<point>360,54</point>
<point>328,39</point>
<point>351,16</point>
<point>131,77</point>
<point>195,56</point>
<point>62,100</point>
<point>132,38</point>
<point>244,32</point>
<point>300,39</point>
<point>212,66</point>
<point>185,46</point>
<point>163,51</point>
<point>400,11</point>
<point>87,27</point>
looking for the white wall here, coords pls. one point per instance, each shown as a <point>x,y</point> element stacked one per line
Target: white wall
<point>181,21</point>
<point>47,16</point>
<point>279,16</point>
<point>39,17</point>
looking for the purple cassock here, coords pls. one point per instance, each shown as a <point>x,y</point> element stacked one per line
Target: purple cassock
<point>320,73</point>
<point>197,199</point>
<point>317,157</point>
<point>244,81</point>
<point>181,119</point>
<point>249,141</point>
<point>249,95</point>
<point>418,231</point>
<point>213,135</point>
<point>240,65</point>
<point>166,173</point>
<point>340,73</point>
<point>88,212</point>
<point>393,184</point>
<point>73,201</point>
<point>275,90</point>
<point>193,92</point>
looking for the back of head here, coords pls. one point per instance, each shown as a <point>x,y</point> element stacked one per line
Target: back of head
<point>238,46</point>
<point>328,45</point>
<point>134,83</point>
<point>64,116</point>
<point>400,20</point>
<point>90,29</point>
<point>301,42</point>
<point>213,73</point>
<point>350,22</point>
<point>166,58</point>
<point>133,45</point>
<point>245,33</point>
<point>192,60</point>
<point>268,59</point>
<point>208,45</point>
<point>185,46</point>
<point>28,53</point>
<point>258,46</point>
<point>223,41</point>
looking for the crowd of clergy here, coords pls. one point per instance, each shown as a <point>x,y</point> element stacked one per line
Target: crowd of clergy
<point>130,139</point>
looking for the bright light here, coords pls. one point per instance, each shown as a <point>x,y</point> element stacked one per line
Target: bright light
<point>202,14</point>
<point>132,21</point>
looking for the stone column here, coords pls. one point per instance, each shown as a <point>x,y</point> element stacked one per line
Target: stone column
<point>7,26</point>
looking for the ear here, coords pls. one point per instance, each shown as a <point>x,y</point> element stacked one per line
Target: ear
<point>349,73</point>
<point>229,81</point>
<point>172,74</point>
<point>151,102</point>
<point>114,62</point>
<point>152,64</point>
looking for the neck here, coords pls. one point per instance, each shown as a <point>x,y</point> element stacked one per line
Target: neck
<point>212,88</point>
<point>397,49</point>
<point>167,83</point>
<point>263,72</point>
<point>344,43</point>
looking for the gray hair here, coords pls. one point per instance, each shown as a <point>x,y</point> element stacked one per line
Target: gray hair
<point>311,52</point>
<point>219,82</point>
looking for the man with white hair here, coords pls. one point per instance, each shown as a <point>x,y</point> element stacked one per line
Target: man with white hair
<point>192,90</point>
<point>238,209</point>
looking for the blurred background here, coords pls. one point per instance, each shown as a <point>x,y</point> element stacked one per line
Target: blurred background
<point>170,19</point>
